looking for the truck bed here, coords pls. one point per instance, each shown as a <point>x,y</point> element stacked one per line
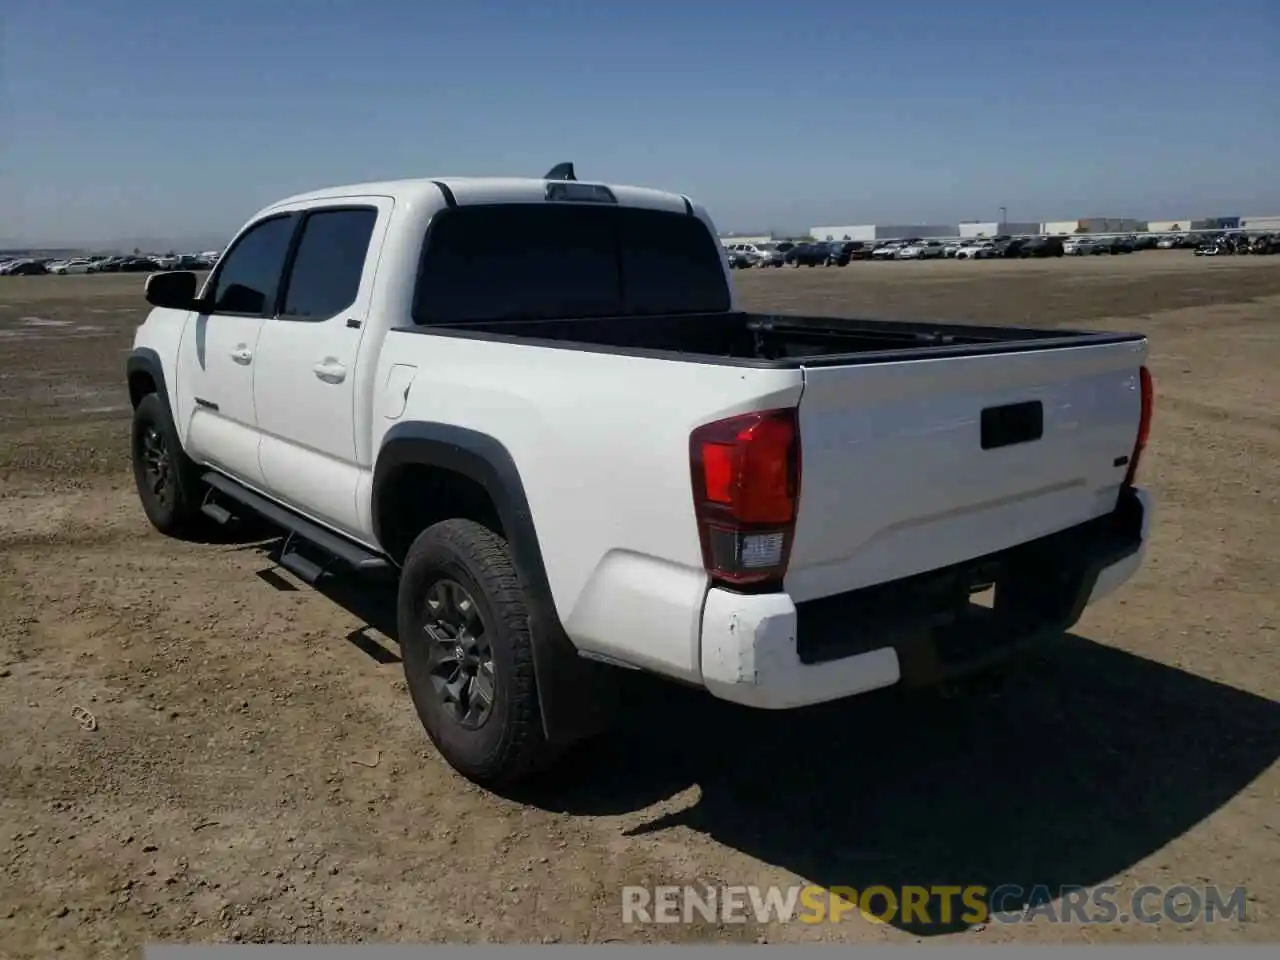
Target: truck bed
<point>778,341</point>
<point>924,444</point>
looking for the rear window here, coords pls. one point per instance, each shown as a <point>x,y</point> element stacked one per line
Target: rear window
<point>536,262</point>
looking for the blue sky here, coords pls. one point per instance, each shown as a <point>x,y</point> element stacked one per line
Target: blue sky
<point>179,119</point>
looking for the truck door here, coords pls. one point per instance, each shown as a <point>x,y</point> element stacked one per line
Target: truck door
<point>217,356</point>
<point>306,381</point>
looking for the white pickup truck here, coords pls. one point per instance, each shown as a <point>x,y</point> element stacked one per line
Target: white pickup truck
<point>537,403</point>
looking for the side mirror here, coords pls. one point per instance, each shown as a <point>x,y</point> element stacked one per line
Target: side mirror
<point>175,290</point>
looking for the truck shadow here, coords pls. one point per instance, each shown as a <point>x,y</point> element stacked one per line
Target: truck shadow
<point>1089,760</point>
<point>1086,761</point>
<point>371,601</point>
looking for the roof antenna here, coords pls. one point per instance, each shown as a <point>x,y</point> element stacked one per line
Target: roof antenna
<point>561,171</point>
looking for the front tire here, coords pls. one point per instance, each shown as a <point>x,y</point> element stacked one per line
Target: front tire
<point>168,482</point>
<point>468,653</point>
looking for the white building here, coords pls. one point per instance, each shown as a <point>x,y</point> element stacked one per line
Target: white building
<point>1171,226</point>
<point>1092,225</point>
<point>993,228</point>
<point>1260,223</point>
<point>841,233</point>
<point>874,231</point>
<point>748,238</point>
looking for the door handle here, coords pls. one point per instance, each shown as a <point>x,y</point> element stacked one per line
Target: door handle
<point>330,370</point>
<point>242,353</point>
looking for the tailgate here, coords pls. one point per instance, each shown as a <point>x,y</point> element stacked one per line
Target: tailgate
<point>896,480</point>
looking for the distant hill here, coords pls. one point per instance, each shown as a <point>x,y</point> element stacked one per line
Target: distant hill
<point>8,250</point>
<point>163,244</point>
<point>191,244</point>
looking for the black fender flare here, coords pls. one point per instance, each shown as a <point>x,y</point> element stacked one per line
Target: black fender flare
<point>574,693</point>
<point>145,360</point>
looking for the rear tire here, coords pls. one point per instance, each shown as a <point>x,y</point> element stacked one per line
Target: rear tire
<point>168,482</point>
<point>468,653</point>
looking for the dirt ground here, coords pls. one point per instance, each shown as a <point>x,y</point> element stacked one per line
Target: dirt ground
<point>257,771</point>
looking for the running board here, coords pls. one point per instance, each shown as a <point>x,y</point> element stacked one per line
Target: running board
<point>353,555</point>
<point>216,512</point>
<point>305,569</point>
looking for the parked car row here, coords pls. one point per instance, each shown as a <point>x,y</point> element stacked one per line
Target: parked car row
<point>840,253</point>
<point>1239,244</point>
<point>39,266</point>
<point>787,253</point>
<point>1182,241</point>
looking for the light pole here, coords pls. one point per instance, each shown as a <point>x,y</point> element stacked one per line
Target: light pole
<point>1003,219</point>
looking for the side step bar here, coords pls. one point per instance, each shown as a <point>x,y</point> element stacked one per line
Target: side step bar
<point>220,514</point>
<point>353,555</point>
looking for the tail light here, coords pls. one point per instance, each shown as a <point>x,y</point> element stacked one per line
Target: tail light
<point>1144,424</point>
<point>746,488</point>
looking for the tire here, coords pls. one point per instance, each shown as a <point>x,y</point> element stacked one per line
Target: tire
<point>495,745</point>
<point>168,482</point>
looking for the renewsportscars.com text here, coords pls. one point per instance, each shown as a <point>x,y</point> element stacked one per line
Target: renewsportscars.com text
<point>938,904</point>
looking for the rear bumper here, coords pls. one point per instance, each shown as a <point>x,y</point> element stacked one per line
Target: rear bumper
<point>763,651</point>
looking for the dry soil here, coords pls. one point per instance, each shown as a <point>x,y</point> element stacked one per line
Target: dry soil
<point>257,772</point>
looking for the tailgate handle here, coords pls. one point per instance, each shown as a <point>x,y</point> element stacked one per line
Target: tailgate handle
<point>1013,423</point>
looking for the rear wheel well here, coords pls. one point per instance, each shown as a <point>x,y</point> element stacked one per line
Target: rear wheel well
<point>141,383</point>
<point>418,496</point>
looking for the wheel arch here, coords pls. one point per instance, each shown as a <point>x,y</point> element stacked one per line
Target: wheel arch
<point>145,373</point>
<point>573,693</point>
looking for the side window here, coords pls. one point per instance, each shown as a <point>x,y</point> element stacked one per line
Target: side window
<point>249,275</point>
<point>326,272</point>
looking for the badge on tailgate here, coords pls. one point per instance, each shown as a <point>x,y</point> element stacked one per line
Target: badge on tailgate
<point>1013,423</point>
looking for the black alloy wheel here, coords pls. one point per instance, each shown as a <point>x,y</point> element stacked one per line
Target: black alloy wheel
<point>157,466</point>
<point>459,658</point>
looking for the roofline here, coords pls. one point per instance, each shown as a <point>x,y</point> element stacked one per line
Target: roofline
<point>448,185</point>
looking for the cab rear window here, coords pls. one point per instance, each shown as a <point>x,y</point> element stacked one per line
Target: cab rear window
<point>525,261</point>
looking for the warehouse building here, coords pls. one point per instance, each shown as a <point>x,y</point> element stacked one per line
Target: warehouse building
<point>1092,225</point>
<point>1201,223</point>
<point>1182,225</point>
<point>972,229</point>
<point>837,233</point>
<point>874,231</point>
<point>1260,223</point>
<point>727,239</point>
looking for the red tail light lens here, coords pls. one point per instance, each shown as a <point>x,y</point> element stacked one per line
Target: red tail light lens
<point>746,488</point>
<point>1144,424</point>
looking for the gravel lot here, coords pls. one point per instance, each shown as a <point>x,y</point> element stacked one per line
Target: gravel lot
<point>257,771</point>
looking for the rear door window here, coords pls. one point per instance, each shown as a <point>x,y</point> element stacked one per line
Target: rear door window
<point>329,263</point>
